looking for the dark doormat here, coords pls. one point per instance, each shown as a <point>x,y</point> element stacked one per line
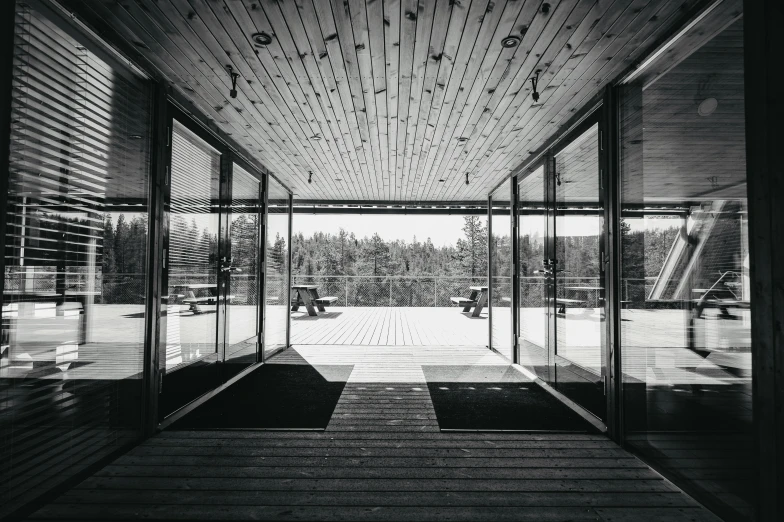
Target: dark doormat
<point>275,396</point>
<point>498,404</point>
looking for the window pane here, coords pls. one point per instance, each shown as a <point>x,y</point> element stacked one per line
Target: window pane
<point>277,279</point>
<point>501,255</point>
<point>191,318</point>
<point>243,313</point>
<point>73,314</point>
<point>686,337</point>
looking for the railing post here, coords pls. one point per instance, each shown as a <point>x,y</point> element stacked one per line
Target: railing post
<point>346,278</point>
<point>390,292</point>
<point>435,291</point>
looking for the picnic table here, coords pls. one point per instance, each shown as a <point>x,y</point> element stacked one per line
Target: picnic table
<point>585,289</point>
<point>307,296</point>
<point>477,300</point>
<point>207,295</point>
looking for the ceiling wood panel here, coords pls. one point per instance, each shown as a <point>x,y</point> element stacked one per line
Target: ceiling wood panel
<point>383,99</point>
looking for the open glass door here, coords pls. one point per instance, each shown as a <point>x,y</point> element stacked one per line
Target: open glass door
<point>578,239</point>
<point>241,269</point>
<point>212,268</point>
<point>535,293</point>
<point>561,298</point>
<point>191,306</point>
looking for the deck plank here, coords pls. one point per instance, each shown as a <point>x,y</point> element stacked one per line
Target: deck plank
<point>382,457</point>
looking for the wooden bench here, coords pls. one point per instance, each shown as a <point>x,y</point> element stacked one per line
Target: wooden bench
<point>463,301</point>
<point>325,301</point>
<point>562,303</point>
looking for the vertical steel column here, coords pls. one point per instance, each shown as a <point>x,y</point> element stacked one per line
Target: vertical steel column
<point>609,135</point>
<point>513,212</point>
<point>763,42</point>
<point>290,281</point>
<point>551,288</point>
<point>490,272</point>
<point>224,256</point>
<point>155,319</point>
<point>263,294</point>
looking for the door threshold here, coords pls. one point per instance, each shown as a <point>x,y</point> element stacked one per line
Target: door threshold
<point>589,417</point>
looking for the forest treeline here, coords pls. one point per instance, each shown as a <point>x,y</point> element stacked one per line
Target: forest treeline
<point>346,254</point>
<point>125,240</point>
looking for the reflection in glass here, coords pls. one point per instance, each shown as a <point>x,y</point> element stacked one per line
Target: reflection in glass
<point>277,278</point>
<point>532,231</point>
<point>579,290</point>
<point>501,258</point>
<point>191,318</point>
<point>243,310</point>
<point>75,250</point>
<point>686,340</point>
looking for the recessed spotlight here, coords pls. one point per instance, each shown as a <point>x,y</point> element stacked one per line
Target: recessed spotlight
<point>707,107</point>
<point>510,41</point>
<point>316,137</point>
<point>135,136</point>
<point>261,39</point>
<point>462,139</point>
<point>338,179</point>
<point>441,180</point>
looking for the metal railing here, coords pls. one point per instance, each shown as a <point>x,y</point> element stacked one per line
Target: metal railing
<point>396,291</point>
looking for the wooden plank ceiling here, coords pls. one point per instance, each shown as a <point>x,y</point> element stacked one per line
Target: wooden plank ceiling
<point>388,100</point>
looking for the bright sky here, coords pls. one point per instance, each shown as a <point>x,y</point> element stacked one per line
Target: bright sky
<point>441,229</point>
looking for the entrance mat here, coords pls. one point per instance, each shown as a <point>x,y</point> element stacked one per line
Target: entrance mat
<point>496,398</point>
<point>275,396</point>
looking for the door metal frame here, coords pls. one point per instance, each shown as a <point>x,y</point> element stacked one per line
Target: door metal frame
<point>155,418</point>
<point>595,114</point>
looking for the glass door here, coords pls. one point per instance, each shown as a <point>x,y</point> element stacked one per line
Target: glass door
<point>192,314</point>
<point>212,268</point>
<point>578,239</point>
<point>241,269</point>
<point>560,212</point>
<point>535,292</point>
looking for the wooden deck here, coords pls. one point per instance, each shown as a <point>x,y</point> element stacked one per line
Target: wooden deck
<point>382,457</point>
<point>386,326</point>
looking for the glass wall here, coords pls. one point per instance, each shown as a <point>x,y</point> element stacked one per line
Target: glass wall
<point>686,340</point>
<point>243,313</point>
<point>578,343</point>
<point>75,248</point>
<point>533,232</point>
<point>194,220</point>
<point>276,291</point>
<point>501,270</point>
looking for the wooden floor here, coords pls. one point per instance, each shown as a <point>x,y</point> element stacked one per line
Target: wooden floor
<point>382,457</point>
<point>385,326</point>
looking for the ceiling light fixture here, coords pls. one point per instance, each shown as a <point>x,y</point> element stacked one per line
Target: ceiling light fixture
<point>261,39</point>
<point>234,76</point>
<point>441,180</point>
<point>462,139</point>
<point>310,177</point>
<point>466,178</point>
<point>316,137</point>
<point>534,84</point>
<point>707,107</point>
<point>510,41</point>
<point>135,136</point>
